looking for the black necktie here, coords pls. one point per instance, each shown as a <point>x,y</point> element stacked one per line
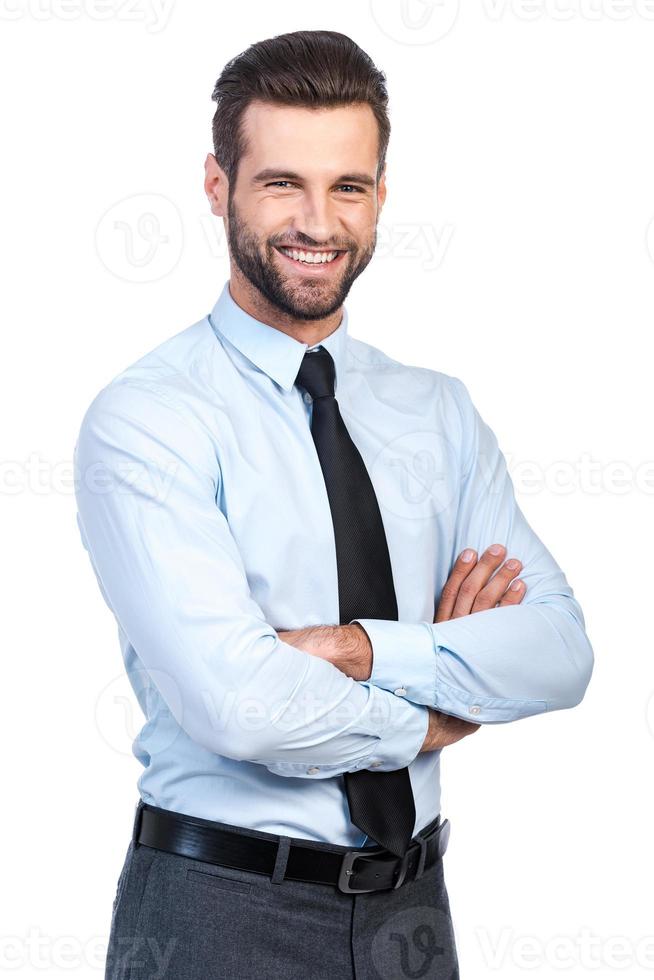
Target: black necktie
<point>381,803</point>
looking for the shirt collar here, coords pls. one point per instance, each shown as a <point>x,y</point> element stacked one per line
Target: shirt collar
<point>275,353</point>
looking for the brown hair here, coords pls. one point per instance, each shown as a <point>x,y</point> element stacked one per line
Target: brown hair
<point>303,68</point>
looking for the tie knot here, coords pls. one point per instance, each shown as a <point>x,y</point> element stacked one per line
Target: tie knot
<point>317,373</point>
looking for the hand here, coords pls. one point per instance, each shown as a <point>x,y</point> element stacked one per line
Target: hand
<point>445,730</point>
<point>469,590</point>
<point>466,591</point>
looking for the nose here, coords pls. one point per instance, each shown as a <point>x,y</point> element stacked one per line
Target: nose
<point>316,217</point>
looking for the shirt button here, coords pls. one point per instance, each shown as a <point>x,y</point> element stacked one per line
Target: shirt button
<point>475,709</point>
<point>307,397</point>
<point>313,770</point>
<point>373,765</point>
<point>400,691</point>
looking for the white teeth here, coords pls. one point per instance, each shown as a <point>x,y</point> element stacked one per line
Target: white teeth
<point>311,258</point>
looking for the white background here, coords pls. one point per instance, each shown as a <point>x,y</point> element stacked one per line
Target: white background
<point>516,251</point>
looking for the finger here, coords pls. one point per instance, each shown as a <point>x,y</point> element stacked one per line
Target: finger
<point>514,594</point>
<point>461,569</point>
<point>477,579</point>
<point>490,595</point>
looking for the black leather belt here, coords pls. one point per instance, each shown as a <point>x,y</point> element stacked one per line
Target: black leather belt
<point>365,869</point>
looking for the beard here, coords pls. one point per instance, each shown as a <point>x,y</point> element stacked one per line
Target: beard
<point>304,298</point>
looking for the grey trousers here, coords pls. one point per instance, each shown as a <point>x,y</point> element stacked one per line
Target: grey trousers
<point>181,919</point>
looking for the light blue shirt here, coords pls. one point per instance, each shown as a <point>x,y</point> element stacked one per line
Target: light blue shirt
<point>201,503</point>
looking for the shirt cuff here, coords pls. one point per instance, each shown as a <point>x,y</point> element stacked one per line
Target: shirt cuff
<point>403,658</point>
<point>401,726</point>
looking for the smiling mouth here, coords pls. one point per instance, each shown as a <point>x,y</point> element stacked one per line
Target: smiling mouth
<point>313,259</point>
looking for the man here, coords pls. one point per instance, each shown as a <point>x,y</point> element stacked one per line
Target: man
<point>304,630</point>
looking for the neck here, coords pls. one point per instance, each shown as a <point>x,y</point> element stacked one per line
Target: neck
<point>308,332</point>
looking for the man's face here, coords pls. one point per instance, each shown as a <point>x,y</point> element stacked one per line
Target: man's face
<point>306,183</point>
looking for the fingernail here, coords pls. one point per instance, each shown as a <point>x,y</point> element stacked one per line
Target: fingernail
<point>495,549</point>
<point>516,585</point>
<point>512,563</point>
<point>467,555</point>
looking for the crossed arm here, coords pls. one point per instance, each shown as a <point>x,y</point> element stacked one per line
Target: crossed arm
<point>470,588</point>
<point>493,653</point>
<point>170,571</point>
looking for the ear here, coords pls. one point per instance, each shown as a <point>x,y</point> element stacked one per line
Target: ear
<point>381,189</point>
<point>215,186</point>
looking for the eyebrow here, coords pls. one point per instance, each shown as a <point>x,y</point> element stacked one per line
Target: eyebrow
<point>270,173</point>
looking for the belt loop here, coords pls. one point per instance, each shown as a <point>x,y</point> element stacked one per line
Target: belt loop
<point>281,860</point>
<point>422,858</point>
<point>136,827</point>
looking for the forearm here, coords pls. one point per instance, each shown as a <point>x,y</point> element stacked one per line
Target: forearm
<point>349,648</point>
<point>491,666</point>
<point>497,665</point>
<point>327,724</point>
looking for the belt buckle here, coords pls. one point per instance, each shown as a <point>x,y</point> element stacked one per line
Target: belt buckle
<point>442,829</point>
<point>443,837</point>
<point>346,869</point>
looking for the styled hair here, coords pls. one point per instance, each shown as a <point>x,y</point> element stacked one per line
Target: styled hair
<point>303,68</point>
